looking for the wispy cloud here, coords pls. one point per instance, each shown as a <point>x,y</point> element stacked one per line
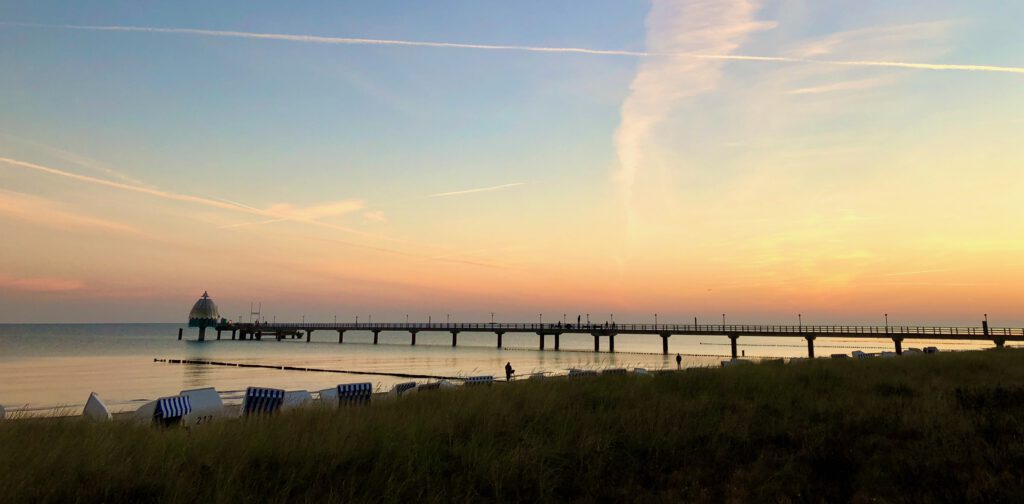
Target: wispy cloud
<point>50,285</point>
<point>681,29</point>
<point>695,7</point>
<point>476,190</point>
<point>43,212</point>
<point>275,213</point>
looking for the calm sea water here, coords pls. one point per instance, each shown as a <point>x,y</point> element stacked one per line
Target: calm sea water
<point>48,367</point>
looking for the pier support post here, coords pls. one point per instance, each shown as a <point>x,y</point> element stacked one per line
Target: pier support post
<point>499,334</point>
<point>341,337</point>
<point>899,345</point>
<point>309,335</point>
<point>179,333</point>
<point>558,344</point>
<point>541,336</point>
<point>202,334</point>
<point>611,343</point>
<point>664,343</point>
<point>413,334</point>
<point>455,338</point>
<point>278,335</point>
<point>1000,343</point>
<point>597,343</point>
<point>732,343</point>
<point>376,337</point>
<point>810,346</point>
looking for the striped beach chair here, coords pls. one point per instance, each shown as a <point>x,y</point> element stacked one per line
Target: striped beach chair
<point>259,400</point>
<point>581,373</point>
<point>355,393</point>
<point>170,410</point>
<point>614,371</point>
<point>402,388</point>
<point>479,380</point>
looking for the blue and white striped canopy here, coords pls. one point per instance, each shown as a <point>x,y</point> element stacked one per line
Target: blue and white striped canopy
<point>172,407</point>
<point>402,387</point>
<point>355,392</point>
<point>479,380</point>
<point>262,400</point>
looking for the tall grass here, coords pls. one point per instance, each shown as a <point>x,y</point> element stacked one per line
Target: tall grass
<point>918,428</point>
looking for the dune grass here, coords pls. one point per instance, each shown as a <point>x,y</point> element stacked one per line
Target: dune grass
<point>946,427</point>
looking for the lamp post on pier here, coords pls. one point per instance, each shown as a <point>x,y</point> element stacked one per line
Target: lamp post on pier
<point>800,321</point>
<point>886,323</point>
<point>655,321</point>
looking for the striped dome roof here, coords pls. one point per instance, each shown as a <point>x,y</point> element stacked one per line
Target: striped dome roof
<point>204,310</point>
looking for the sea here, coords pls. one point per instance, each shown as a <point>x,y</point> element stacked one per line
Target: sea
<point>50,369</point>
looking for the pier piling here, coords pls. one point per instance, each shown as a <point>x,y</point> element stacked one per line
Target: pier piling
<point>413,334</point>
<point>899,345</point>
<point>810,346</point>
<point>664,343</point>
<point>455,338</point>
<point>180,330</point>
<point>499,334</point>
<point>558,345</point>
<point>541,336</point>
<point>611,343</point>
<point>341,336</point>
<point>597,343</point>
<point>376,337</point>
<point>732,342</point>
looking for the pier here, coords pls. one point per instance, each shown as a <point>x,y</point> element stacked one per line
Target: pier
<point>606,333</point>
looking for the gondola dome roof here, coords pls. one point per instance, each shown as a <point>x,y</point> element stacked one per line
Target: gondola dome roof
<point>204,309</point>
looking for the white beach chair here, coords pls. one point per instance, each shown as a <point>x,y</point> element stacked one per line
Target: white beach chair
<point>206,405</point>
<point>294,399</point>
<point>329,397</point>
<point>145,412</point>
<point>641,371</point>
<point>95,409</point>
<point>260,400</point>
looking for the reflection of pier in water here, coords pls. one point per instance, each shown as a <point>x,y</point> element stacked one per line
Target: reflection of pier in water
<point>544,331</point>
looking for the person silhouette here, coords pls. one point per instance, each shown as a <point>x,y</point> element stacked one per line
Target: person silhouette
<point>679,361</point>
<point>509,371</point>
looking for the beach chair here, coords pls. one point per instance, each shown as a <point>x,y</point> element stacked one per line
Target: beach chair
<point>206,405</point>
<point>95,409</point>
<point>428,386</point>
<point>294,399</point>
<point>575,374</point>
<point>355,393</point>
<point>614,371</point>
<point>402,388</point>
<point>479,380</point>
<point>169,411</point>
<point>329,396</point>
<point>260,400</point>
<point>537,376</point>
<point>641,371</point>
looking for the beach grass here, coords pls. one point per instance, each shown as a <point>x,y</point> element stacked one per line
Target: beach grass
<point>946,427</point>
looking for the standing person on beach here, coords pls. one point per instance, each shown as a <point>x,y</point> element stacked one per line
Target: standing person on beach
<point>508,371</point>
<point>679,361</point>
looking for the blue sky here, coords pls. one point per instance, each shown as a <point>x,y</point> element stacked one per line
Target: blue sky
<point>192,162</point>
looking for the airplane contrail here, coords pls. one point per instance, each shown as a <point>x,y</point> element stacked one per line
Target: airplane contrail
<point>316,39</point>
<point>477,190</point>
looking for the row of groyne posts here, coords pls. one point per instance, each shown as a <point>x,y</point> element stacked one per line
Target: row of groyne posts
<point>255,331</point>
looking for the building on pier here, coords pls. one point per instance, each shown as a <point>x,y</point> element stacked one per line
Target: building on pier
<point>204,314</point>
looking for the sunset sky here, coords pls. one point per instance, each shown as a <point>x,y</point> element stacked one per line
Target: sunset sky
<point>680,157</point>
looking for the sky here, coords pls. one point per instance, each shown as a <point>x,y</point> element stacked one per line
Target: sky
<point>690,158</point>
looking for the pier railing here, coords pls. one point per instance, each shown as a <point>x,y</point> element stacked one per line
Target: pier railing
<point>604,328</point>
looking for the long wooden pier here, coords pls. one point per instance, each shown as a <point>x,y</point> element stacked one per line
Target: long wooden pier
<point>897,334</point>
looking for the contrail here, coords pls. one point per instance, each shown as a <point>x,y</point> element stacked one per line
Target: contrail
<point>477,190</point>
<point>315,39</point>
